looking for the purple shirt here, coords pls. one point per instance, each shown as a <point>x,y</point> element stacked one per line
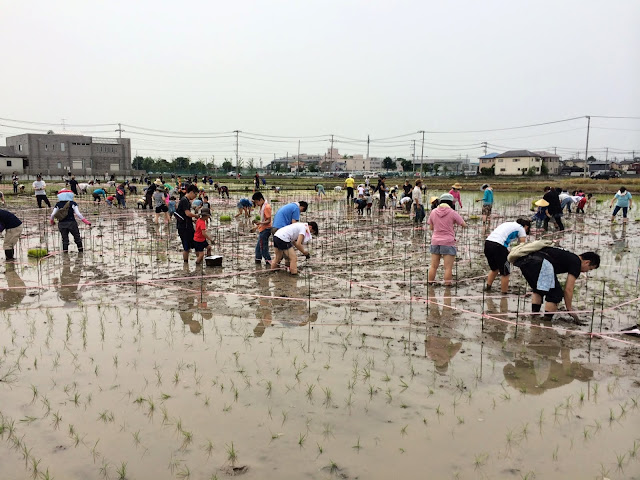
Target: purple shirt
<point>443,219</point>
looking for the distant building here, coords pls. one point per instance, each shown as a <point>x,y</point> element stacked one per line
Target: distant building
<point>518,162</point>
<point>11,162</point>
<point>57,154</point>
<point>551,161</point>
<point>487,161</point>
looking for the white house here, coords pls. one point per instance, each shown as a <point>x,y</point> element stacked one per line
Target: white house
<point>11,162</point>
<point>518,162</point>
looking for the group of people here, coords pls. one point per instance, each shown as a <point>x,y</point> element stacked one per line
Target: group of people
<point>539,262</point>
<point>289,233</point>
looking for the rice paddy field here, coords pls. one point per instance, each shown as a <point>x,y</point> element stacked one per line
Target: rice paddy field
<point>124,363</point>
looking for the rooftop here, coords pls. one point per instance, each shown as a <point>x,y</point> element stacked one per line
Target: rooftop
<point>517,153</point>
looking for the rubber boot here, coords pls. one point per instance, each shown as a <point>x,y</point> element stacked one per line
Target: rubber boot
<point>9,254</point>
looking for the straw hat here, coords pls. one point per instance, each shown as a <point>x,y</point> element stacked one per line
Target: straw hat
<point>433,199</point>
<point>457,186</point>
<point>542,203</point>
<point>158,182</point>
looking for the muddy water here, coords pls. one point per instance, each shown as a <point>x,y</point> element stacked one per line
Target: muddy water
<point>123,362</point>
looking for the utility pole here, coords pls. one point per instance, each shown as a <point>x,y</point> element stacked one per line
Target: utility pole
<point>606,158</point>
<point>237,158</point>
<point>586,148</point>
<point>298,159</point>
<point>64,126</point>
<point>421,151</point>
<point>554,150</point>
<point>484,144</point>
<point>331,151</point>
<point>413,155</point>
<point>119,130</point>
<point>367,147</point>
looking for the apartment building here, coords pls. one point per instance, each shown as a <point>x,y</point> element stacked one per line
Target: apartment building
<point>60,153</point>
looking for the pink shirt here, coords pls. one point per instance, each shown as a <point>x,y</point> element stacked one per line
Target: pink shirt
<point>443,219</point>
<point>456,196</point>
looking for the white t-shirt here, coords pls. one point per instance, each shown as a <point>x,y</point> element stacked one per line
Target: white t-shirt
<point>38,186</point>
<point>416,195</point>
<point>405,200</point>
<point>290,233</point>
<point>506,233</point>
<point>360,190</point>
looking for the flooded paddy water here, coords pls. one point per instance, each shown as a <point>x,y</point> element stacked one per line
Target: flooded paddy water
<point>124,363</point>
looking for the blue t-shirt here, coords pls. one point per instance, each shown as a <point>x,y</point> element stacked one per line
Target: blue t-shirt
<point>244,202</point>
<point>487,199</point>
<point>99,191</point>
<point>623,200</point>
<point>284,216</point>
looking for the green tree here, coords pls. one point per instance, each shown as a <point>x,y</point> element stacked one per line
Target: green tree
<point>198,167</point>
<point>488,171</point>
<point>313,168</point>
<point>388,164</point>
<point>592,159</point>
<point>250,165</point>
<point>531,172</point>
<point>138,163</point>
<point>227,166</point>
<point>161,165</point>
<point>182,164</point>
<point>544,170</point>
<point>407,166</point>
<point>436,168</point>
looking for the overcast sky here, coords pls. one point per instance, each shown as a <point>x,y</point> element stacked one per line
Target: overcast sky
<point>309,68</point>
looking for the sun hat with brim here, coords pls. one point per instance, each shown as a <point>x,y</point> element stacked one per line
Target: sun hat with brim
<point>433,199</point>
<point>542,203</point>
<point>158,182</point>
<point>485,185</point>
<point>65,195</point>
<point>456,186</point>
<point>446,196</point>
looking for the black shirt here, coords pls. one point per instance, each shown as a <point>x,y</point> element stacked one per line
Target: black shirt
<point>554,202</point>
<point>73,183</point>
<point>182,221</point>
<point>8,220</point>
<point>407,189</point>
<point>563,261</point>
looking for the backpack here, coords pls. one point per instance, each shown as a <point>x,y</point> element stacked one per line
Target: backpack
<point>63,212</point>
<point>523,249</point>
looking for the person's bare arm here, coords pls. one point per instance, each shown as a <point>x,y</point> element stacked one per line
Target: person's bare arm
<point>299,245</point>
<point>568,294</point>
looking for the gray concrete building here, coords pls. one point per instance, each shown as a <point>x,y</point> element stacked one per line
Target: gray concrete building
<point>60,153</point>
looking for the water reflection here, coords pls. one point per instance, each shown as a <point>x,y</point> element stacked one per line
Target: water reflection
<point>543,364</point>
<point>17,288</point>
<point>68,284</point>
<point>620,244</point>
<point>441,348</point>
<point>186,310</point>
<point>288,313</point>
<point>495,329</point>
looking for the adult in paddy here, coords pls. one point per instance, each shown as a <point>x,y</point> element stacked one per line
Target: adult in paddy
<point>540,268</point>
<point>66,211</point>
<point>487,202</point>
<point>12,227</point>
<point>496,249</point>
<point>288,214</point>
<point>184,220</point>
<point>293,236</point>
<point>623,202</point>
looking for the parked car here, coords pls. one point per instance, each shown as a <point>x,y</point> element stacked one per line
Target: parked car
<point>605,175</point>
